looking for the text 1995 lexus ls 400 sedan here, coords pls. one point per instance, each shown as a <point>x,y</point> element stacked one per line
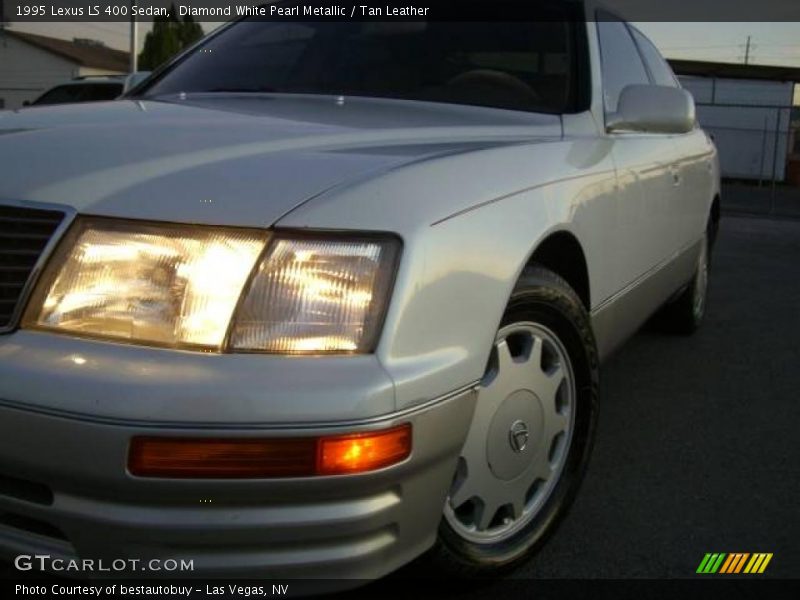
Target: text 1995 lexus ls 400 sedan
<point>317,298</point>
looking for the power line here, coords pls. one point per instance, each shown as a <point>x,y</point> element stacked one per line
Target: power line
<point>700,47</point>
<point>749,51</point>
<point>783,45</point>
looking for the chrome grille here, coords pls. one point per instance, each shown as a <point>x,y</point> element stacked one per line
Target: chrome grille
<point>24,234</point>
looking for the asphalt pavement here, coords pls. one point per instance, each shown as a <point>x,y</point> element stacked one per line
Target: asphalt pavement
<point>698,443</point>
<point>761,200</point>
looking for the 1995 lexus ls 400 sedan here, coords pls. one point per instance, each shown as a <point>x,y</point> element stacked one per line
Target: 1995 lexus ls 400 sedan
<point>320,297</point>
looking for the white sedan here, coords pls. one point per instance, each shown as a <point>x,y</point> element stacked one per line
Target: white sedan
<point>320,297</point>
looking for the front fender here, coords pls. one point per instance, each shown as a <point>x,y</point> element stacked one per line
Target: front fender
<point>466,241</point>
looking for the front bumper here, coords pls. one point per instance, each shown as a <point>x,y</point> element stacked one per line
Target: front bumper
<point>65,490</point>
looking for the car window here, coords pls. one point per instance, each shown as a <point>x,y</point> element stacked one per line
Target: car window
<point>89,92</point>
<point>99,92</point>
<point>621,62</point>
<point>61,94</point>
<point>659,68</point>
<point>520,65</point>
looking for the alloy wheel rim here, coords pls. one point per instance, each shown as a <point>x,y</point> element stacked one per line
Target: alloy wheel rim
<point>519,439</point>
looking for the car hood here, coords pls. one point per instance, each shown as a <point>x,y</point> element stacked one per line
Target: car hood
<point>231,160</point>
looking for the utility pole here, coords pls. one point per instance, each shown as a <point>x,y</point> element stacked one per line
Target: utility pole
<point>747,52</point>
<point>134,42</point>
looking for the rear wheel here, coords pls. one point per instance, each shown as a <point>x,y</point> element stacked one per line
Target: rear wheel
<point>531,434</point>
<point>685,314</point>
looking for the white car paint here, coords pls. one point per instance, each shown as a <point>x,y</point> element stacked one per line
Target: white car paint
<point>471,191</point>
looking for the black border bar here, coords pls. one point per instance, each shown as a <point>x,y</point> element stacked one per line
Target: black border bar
<point>382,10</point>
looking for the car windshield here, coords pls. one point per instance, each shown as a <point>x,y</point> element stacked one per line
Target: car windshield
<point>520,66</point>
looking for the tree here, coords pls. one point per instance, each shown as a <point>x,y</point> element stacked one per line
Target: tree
<point>190,31</point>
<point>168,37</point>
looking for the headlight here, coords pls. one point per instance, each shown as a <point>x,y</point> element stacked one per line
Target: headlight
<point>167,285</point>
<point>317,294</point>
<point>179,286</point>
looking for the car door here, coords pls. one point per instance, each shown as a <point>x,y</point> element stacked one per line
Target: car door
<point>649,180</point>
<point>693,166</point>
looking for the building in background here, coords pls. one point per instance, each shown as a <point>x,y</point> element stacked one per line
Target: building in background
<point>748,111</point>
<point>31,64</point>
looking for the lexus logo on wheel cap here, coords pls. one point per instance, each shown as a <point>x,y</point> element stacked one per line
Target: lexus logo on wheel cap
<point>518,436</point>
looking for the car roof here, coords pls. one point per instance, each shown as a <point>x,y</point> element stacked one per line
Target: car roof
<point>100,79</point>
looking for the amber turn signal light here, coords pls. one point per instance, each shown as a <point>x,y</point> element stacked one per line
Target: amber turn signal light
<point>362,452</point>
<point>255,458</point>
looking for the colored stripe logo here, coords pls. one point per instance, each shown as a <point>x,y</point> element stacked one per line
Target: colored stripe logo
<point>734,563</point>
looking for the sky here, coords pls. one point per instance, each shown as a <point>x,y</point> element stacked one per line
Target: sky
<point>771,43</point>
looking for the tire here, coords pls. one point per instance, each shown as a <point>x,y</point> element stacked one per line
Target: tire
<point>685,314</point>
<point>531,436</point>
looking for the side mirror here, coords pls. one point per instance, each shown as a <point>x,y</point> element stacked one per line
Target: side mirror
<point>654,109</point>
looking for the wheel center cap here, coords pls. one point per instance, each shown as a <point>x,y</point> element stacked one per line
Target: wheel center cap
<point>515,434</point>
<point>518,436</point>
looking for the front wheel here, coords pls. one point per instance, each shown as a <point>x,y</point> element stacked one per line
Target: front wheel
<point>531,434</point>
